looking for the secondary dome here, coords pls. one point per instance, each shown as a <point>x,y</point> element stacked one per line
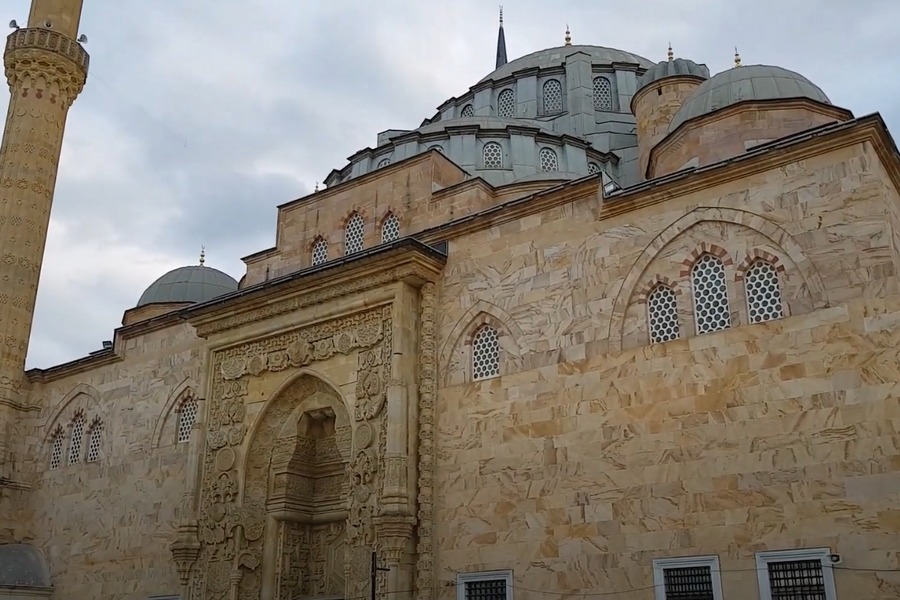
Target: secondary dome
<point>672,68</point>
<point>554,57</point>
<point>188,284</point>
<point>751,82</point>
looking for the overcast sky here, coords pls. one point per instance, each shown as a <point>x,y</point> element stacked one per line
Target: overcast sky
<point>201,116</point>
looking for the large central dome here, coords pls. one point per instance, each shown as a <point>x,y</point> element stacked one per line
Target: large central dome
<point>550,57</point>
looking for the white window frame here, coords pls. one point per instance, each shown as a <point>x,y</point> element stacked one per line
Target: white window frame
<point>463,578</point>
<point>680,562</point>
<point>764,558</point>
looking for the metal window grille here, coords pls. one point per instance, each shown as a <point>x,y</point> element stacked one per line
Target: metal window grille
<point>763,293</point>
<point>688,583</point>
<point>711,312</point>
<point>187,416</point>
<point>94,440</point>
<point>506,104</point>
<point>492,155</point>
<point>797,579</point>
<point>383,163</point>
<point>467,111</point>
<point>602,94</point>
<point>553,96</point>
<point>485,353</point>
<point>390,228</point>
<point>56,451</point>
<point>75,442</point>
<point>490,589</point>
<point>319,252</point>
<point>662,313</point>
<point>549,161</point>
<point>593,168</point>
<point>353,234</point>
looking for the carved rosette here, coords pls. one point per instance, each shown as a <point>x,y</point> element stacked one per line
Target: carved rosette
<point>427,390</point>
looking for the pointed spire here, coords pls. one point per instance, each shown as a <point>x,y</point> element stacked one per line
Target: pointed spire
<point>202,255</point>
<point>568,36</point>
<point>501,44</point>
<point>737,57</point>
<point>671,54</point>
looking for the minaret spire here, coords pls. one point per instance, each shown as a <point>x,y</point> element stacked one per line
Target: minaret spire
<point>501,44</point>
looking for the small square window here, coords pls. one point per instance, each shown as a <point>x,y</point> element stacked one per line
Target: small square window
<point>789,574</point>
<point>687,578</point>
<point>488,585</point>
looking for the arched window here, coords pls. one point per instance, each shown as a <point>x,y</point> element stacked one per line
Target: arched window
<point>763,293</point>
<point>437,147</point>
<point>353,234</point>
<point>467,111</point>
<point>602,94</point>
<point>319,251</point>
<point>75,441</point>
<point>390,228</point>
<point>383,163</point>
<point>662,315</point>
<point>552,96</point>
<point>94,440</point>
<point>492,153</point>
<point>593,168</point>
<point>56,447</point>
<point>485,353</point>
<point>711,312</point>
<point>187,416</point>
<point>506,104</point>
<point>549,161</point>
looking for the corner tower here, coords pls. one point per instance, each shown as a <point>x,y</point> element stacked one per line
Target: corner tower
<point>46,69</point>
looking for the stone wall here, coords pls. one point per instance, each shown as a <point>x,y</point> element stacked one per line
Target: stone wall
<point>595,453</point>
<point>654,106</point>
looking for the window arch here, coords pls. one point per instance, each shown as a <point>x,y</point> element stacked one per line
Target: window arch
<point>94,440</point>
<point>56,447</point>
<point>187,416</point>
<point>390,228</point>
<point>75,440</point>
<point>467,111</point>
<point>662,315</point>
<point>763,292</point>
<point>553,101</point>
<point>492,154</point>
<point>437,147</point>
<point>593,168</point>
<point>319,251</point>
<point>485,353</point>
<point>353,234</point>
<point>383,163</point>
<point>549,160</point>
<point>602,94</point>
<point>506,104</point>
<point>711,311</point>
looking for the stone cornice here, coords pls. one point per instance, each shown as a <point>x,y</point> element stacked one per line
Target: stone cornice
<point>41,53</point>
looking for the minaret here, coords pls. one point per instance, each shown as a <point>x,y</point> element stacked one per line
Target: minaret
<point>501,44</point>
<point>46,69</point>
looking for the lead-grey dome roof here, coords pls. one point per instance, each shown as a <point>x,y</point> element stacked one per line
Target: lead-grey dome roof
<point>739,84</point>
<point>22,565</point>
<point>672,68</point>
<point>189,284</point>
<point>552,57</point>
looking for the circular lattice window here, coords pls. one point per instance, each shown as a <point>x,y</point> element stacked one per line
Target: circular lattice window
<point>763,293</point>
<point>662,313</point>
<point>485,353</point>
<point>711,311</point>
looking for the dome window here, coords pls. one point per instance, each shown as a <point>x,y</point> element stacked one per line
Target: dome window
<point>553,96</point>
<point>506,104</point>
<point>353,234</point>
<point>437,147</point>
<point>383,163</point>
<point>593,168</point>
<point>319,251</point>
<point>390,228</point>
<point>602,94</point>
<point>467,111</point>
<point>492,154</point>
<point>549,161</point>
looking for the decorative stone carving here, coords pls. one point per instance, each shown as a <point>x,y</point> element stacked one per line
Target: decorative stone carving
<point>185,550</point>
<point>427,383</point>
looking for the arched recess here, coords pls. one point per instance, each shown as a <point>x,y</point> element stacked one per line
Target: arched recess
<point>296,481</point>
<point>454,358</point>
<point>82,396</point>
<point>181,391</point>
<point>777,235</point>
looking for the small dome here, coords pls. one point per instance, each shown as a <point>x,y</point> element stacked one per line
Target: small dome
<point>751,82</point>
<point>22,565</point>
<point>672,68</point>
<point>188,284</point>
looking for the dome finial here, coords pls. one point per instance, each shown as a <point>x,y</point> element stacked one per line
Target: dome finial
<point>501,44</point>
<point>737,57</point>
<point>317,187</point>
<point>202,255</point>
<point>568,36</point>
<point>670,54</point>
<point>501,15</point>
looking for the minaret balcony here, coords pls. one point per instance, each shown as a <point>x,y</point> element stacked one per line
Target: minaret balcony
<point>38,38</point>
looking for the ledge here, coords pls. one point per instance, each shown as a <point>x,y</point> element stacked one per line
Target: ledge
<point>38,38</point>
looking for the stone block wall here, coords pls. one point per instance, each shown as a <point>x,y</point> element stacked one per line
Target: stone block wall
<point>654,106</point>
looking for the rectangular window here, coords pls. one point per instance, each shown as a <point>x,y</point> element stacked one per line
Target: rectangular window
<point>687,578</point>
<point>489,585</point>
<point>788,574</point>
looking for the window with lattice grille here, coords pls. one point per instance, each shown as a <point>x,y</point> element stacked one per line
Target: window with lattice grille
<point>763,293</point>
<point>56,448</point>
<point>319,252</point>
<point>390,228</point>
<point>485,353</point>
<point>553,101</point>
<point>492,153</point>
<point>437,147</point>
<point>506,104</point>
<point>467,111</point>
<point>602,94</point>
<point>383,163</point>
<point>687,578</point>
<point>187,416</point>
<point>353,234</point>
<point>494,585</point>
<point>711,310</point>
<point>75,440</point>
<point>792,574</point>
<point>662,314</point>
<point>549,160</point>
<point>95,437</point>
<point>593,168</point>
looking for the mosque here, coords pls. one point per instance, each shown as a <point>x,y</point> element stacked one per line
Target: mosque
<point>598,327</point>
